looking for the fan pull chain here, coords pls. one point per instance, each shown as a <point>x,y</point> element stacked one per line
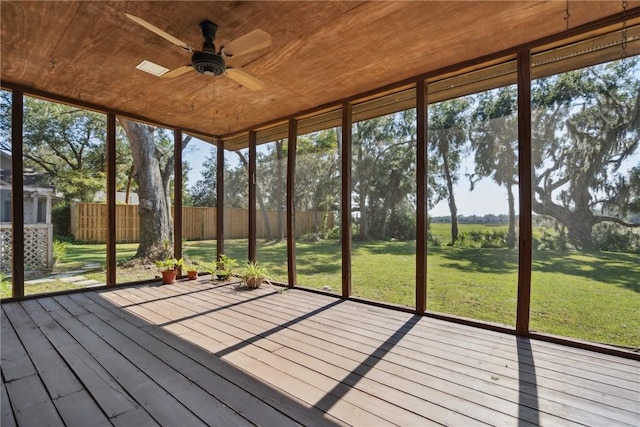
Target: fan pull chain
<point>567,15</point>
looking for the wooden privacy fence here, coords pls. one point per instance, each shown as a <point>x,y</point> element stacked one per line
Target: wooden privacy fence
<point>88,222</point>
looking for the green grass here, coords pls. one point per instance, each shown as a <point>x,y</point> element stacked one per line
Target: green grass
<point>590,296</point>
<point>475,283</point>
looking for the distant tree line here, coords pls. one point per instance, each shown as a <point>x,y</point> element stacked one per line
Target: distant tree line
<point>474,219</point>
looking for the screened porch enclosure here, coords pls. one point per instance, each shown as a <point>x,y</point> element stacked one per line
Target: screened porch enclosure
<point>450,227</point>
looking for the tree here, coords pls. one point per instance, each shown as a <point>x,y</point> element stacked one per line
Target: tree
<point>317,175</point>
<point>270,191</point>
<point>633,198</point>
<point>448,123</point>
<point>205,191</point>
<point>586,127</point>
<point>64,145</point>
<point>280,191</point>
<point>384,175</point>
<point>494,139</point>
<point>269,185</point>
<point>153,158</point>
<point>259,197</point>
<point>236,180</point>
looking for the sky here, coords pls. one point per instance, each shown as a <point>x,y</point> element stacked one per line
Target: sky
<point>486,198</point>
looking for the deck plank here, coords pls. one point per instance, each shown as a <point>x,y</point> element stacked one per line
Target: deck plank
<point>163,407</point>
<point>445,383</point>
<point>53,370</point>
<point>579,409</point>
<point>63,387</point>
<point>249,406</point>
<point>439,328</point>
<point>361,334</point>
<point>109,394</point>
<point>300,411</point>
<point>6,411</point>
<point>254,361</point>
<point>134,417</point>
<point>208,409</point>
<point>415,335</point>
<point>80,410</point>
<point>31,403</point>
<point>201,353</point>
<point>380,390</point>
<point>15,360</point>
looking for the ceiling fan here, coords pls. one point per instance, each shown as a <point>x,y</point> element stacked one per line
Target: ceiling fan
<point>208,61</point>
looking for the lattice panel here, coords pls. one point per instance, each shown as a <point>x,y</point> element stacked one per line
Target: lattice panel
<point>5,250</point>
<point>37,240</point>
<point>36,248</point>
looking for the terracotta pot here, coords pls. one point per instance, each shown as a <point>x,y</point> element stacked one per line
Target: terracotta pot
<point>169,276</point>
<point>192,274</point>
<point>254,282</point>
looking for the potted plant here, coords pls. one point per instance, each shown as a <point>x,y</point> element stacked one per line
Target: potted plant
<point>169,269</point>
<point>254,275</point>
<point>192,271</point>
<point>224,267</point>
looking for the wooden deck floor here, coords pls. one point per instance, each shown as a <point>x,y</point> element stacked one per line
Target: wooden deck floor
<point>194,354</point>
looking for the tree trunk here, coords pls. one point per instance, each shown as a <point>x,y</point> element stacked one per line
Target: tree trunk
<point>390,206</point>
<point>452,200</point>
<point>363,231</point>
<point>265,216</point>
<point>279,190</point>
<point>579,223</point>
<point>339,149</point>
<point>511,233</point>
<point>129,180</point>
<point>156,233</point>
<point>579,230</point>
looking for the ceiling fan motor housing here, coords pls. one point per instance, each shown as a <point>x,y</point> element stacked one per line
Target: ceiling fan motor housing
<point>208,63</point>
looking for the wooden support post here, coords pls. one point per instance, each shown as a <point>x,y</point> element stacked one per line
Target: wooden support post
<point>421,196</point>
<point>345,219</point>
<point>17,196</point>
<point>111,199</point>
<point>291,213</point>
<point>220,199</point>
<point>252,196</point>
<point>177,193</point>
<point>524,175</point>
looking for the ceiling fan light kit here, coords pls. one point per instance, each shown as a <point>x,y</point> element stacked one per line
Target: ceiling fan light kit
<point>151,68</point>
<point>208,61</point>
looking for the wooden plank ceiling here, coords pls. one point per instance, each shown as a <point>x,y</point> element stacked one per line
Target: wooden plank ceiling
<point>321,51</point>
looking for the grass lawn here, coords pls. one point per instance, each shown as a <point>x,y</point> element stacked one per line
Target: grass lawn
<point>589,296</point>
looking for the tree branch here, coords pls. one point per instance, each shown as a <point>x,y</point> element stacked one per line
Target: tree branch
<point>47,166</point>
<point>599,219</point>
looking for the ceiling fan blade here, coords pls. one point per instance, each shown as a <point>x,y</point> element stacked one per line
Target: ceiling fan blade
<point>177,72</point>
<point>160,32</point>
<point>250,42</point>
<point>245,79</point>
